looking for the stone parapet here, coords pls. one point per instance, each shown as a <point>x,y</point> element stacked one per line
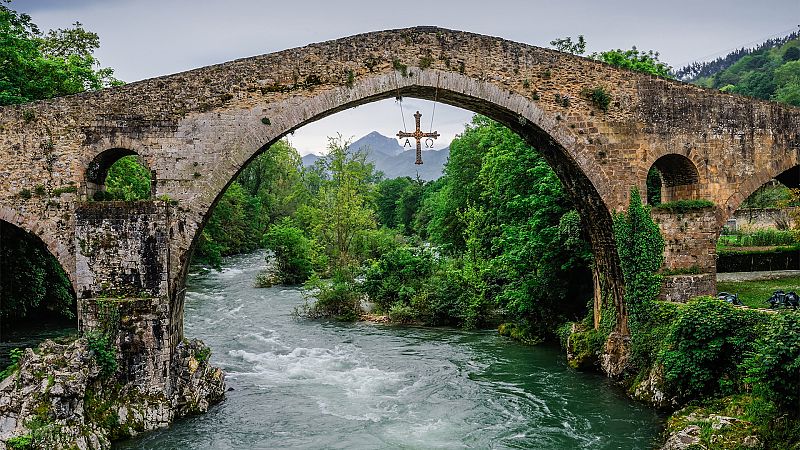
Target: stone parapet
<point>681,288</point>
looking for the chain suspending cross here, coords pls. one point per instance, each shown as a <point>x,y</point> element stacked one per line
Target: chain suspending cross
<point>418,135</point>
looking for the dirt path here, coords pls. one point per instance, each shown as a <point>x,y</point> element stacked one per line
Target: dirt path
<point>757,276</point>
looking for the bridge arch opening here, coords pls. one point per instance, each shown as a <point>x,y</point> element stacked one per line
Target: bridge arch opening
<point>763,219</point>
<point>541,131</point>
<point>37,300</point>
<point>672,177</point>
<point>119,174</point>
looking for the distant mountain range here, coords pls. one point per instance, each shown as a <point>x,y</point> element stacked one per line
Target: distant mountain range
<point>390,158</point>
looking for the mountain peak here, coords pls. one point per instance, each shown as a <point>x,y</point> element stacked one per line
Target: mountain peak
<point>393,160</point>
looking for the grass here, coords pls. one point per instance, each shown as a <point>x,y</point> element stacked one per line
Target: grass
<point>755,293</point>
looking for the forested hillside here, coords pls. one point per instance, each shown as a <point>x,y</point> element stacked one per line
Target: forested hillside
<point>771,71</point>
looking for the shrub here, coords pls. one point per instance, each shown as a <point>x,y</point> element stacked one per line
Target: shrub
<point>104,352</point>
<point>337,298</point>
<point>397,276</point>
<point>776,364</point>
<point>599,97</point>
<point>293,252</point>
<point>684,206</point>
<point>706,345</point>
<point>400,313</point>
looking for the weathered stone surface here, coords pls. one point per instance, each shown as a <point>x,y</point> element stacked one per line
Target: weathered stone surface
<point>651,390</point>
<point>59,398</point>
<point>196,130</point>
<point>615,357</point>
<point>681,288</point>
<point>684,439</point>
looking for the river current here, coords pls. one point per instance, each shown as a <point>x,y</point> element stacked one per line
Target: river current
<point>309,384</point>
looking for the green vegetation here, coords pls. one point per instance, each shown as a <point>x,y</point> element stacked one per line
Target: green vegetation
<point>755,293</point>
<point>14,355</point>
<point>766,237</point>
<point>294,252</point>
<point>684,206</point>
<point>641,254</point>
<point>599,96</point>
<point>769,73</point>
<point>33,283</point>
<point>770,195</point>
<point>706,345</point>
<point>268,189</point>
<point>44,65</point>
<point>127,180</point>
<point>104,352</point>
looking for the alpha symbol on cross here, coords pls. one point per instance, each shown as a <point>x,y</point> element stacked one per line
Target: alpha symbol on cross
<point>418,135</point>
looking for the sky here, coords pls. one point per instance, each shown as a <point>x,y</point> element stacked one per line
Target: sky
<point>147,38</point>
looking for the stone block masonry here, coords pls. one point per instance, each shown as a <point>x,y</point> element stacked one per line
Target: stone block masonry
<point>123,285</point>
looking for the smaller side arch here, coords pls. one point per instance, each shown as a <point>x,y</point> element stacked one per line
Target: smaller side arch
<point>787,171</point>
<point>97,170</point>
<point>679,178</point>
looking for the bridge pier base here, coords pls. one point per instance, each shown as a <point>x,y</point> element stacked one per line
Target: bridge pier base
<point>123,287</point>
<point>690,239</point>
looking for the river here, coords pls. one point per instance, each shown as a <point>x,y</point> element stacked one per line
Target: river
<point>309,384</point>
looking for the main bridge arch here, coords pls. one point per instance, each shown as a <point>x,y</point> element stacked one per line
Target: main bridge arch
<point>195,131</point>
<point>559,144</point>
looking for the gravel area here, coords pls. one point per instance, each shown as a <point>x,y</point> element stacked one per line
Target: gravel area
<point>756,276</point>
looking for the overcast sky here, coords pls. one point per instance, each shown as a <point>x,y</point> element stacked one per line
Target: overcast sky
<point>147,38</point>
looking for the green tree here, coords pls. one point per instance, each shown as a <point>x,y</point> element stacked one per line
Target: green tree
<point>37,66</point>
<point>294,252</point>
<point>408,204</point>
<point>233,226</point>
<point>128,180</point>
<point>274,177</point>
<point>343,204</point>
<point>388,193</point>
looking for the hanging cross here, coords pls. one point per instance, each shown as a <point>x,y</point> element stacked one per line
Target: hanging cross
<point>418,135</point>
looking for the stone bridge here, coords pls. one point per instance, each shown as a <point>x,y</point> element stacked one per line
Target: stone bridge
<point>196,130</point>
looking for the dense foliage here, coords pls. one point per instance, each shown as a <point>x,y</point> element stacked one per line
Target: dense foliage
<point>776,364</point>
<point>127,180</point>
<point>32,282</point>
<point>641,253</point>
<point>294,252</point>
<point>698,70</point>
<point>266,190</point>
<point>770,72</point>
<point>706,345</point>
<point>38,66</point>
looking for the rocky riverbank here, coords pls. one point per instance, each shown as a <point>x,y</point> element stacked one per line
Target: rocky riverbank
<point>61,397</point>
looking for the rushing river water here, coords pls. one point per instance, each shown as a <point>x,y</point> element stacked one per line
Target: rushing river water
<point>307,384</point>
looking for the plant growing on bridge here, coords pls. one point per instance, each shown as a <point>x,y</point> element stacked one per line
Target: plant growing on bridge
<point>104,352</point>
<point>599,97</point>
<point>684,206</point>
<point>641,253</point>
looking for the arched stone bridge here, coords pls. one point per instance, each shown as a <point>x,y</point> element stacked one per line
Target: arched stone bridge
<point>195,131</point>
